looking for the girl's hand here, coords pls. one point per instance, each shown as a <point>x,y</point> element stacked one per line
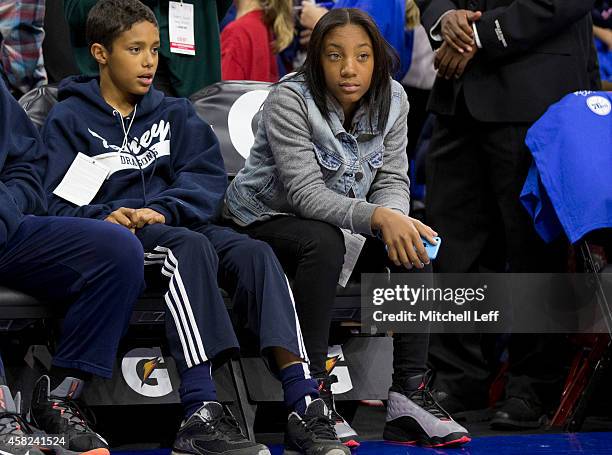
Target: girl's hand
<point>402,235</point>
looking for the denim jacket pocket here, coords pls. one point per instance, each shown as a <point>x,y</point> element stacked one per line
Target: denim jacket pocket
<point>375,159</point>
<point>329,162</point>
<point>267,190</point>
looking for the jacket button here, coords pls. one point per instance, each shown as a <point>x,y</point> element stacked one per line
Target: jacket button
<point>358,176</point>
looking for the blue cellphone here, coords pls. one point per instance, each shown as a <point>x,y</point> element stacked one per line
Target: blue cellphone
<point>432,250</point>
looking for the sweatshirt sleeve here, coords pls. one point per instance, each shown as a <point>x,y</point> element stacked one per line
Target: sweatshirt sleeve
<point>22,163</point>
<point>289,136</point>
<point>431,13</point>
<point>390,187</point>
<point>200,181</point>
<point>62,150</point>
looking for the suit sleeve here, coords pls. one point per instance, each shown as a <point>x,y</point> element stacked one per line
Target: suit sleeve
<point>431,12</point>
<point>200,181</point>
<point>593,67</point>
<point>513,29</point>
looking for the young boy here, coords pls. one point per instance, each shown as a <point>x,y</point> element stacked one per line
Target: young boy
<point>152,166</point>
<point>94,265</point>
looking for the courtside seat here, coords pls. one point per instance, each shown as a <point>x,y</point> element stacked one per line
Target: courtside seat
<point>17,305</point>
<point>38,102</point>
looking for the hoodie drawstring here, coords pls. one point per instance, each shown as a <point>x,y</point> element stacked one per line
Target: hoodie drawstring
<point>124,147</point>
<point>126,132</point>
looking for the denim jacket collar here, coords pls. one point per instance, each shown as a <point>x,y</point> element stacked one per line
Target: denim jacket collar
<point>361,121</point>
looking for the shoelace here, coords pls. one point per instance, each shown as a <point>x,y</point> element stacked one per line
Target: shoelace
<point>327,396</point>
<point>12,423</point>
<point>227,425</point>
<point>424,399</point>
<point>321,426</point>
<point>73,413</point>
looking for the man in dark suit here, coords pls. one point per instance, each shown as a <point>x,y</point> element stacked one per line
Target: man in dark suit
<point>500,63</point>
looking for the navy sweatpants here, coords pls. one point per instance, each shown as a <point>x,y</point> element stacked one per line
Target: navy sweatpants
<point>197,322</point>
<point>94,265</point>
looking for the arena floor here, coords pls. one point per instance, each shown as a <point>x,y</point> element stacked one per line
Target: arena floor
<point>525,444</point>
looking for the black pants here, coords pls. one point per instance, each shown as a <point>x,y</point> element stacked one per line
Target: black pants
<point>312,253</point>
<point>475,172</point>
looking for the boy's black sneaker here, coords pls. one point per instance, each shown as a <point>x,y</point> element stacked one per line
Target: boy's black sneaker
<point>56,412</point>
<point>213,430</point>
<point>18,437</point>
<point>344,431</point>
<point>417,418</point>
<point>313,434</point>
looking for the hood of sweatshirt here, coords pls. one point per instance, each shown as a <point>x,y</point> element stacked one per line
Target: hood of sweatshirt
<point>87,88</point>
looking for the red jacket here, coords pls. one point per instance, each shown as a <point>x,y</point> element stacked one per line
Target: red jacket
<point>246,50</point>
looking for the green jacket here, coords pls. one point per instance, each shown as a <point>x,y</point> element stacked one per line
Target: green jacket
<point>188,73</point>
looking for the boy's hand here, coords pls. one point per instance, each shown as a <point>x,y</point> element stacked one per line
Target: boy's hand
<point>142,217</point>
<point>123,217</point>
<point>402,235</point>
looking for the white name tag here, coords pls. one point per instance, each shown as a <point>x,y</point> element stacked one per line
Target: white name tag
<point>180,22</point>
<point>82,180</point>
<point>353,244</point>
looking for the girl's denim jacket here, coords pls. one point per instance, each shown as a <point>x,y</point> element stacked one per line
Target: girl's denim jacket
<point>309,166</point>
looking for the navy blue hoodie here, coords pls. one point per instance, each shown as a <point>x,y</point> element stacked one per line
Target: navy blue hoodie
<point>171,163</point>
<point>22,162</point>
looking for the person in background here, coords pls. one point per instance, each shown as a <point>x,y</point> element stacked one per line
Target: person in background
<point>602,29</point>
<point>21,37</point>
<point>501,64</point>
<point>602,13</point>
<point>251,43</point>
<point>179,74</point>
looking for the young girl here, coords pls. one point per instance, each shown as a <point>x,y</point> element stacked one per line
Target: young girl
<point>330,153</point>
<point>251,43</point>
